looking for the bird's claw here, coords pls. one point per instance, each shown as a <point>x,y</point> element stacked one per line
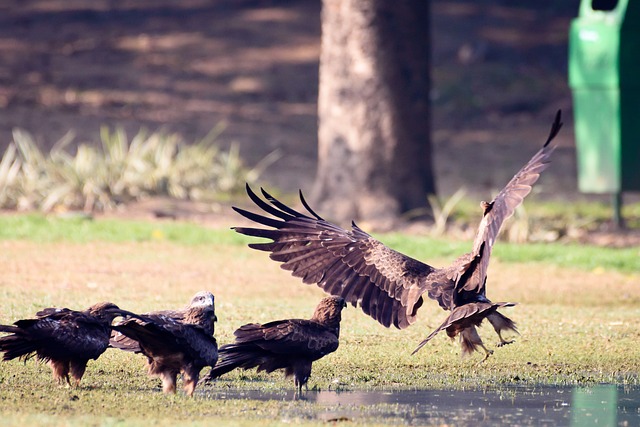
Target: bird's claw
<point>503,343</point>
<point>486,356</point>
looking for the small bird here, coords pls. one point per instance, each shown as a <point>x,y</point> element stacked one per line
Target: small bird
<point>291,344</point>
<point>174,342</point>
<point>65,339</point>
<point>388,285</point>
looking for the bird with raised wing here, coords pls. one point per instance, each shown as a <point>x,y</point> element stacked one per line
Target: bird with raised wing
<point>387,285</point>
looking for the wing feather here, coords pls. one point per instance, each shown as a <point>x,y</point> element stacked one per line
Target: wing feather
<point>350,264</point>
<point>500,209</point>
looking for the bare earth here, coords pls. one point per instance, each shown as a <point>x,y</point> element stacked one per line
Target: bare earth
<point>75,65</point>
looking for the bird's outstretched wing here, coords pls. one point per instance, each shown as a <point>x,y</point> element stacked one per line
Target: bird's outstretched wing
<point>386,284</point>
<point>472,269</point>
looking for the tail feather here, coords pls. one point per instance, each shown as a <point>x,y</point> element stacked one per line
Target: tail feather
<point>245,356</point>
<point>16,345</point>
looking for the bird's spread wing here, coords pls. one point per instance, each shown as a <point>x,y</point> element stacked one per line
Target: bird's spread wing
<point>289,337</point>
<point>472,268</point>
<point>386,284</point>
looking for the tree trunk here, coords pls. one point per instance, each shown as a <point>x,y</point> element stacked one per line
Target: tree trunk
<point>374,151</point>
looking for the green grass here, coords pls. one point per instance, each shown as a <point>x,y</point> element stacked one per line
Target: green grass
<point>40,228</point>
<point>579,319</point>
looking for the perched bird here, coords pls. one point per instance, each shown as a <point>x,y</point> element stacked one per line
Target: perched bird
<point>390,286</point>
<point>200,299</point>
<point>174,342</point>
<point>66,339</point>
<point>291,344</point>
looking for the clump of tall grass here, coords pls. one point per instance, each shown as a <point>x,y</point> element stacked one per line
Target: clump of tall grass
<point>98,177</point>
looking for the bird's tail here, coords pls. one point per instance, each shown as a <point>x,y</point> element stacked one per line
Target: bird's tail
<point>475,312</point>
<point>18,344</point>
<point>238,355</point>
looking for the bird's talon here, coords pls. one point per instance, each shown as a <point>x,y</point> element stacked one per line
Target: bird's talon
<point>503,343</point>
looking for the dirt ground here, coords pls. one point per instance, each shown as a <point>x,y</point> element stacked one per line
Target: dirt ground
<point>499,75</point>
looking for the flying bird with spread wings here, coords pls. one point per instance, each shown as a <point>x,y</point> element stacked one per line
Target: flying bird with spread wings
<point>65,339</point>
<point>291,344</point>
<point>174,341</point>
<point>387,285</point>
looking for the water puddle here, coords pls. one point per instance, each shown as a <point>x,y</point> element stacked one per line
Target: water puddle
<point>602,405</point>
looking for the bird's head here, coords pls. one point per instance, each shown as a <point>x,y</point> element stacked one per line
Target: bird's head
<point>202,299</point>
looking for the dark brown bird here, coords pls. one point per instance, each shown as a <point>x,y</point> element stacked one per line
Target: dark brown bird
<point>292,344</point>
<point>174,342</point>
<point>389,286</point>
<point>64,338</point>
<point>200,299</point>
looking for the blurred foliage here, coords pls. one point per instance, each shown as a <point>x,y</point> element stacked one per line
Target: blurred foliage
<point>99,177</point>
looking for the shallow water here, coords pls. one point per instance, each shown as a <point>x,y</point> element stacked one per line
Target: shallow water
<point>602,405</point>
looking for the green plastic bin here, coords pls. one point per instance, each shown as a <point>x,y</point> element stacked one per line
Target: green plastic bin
<point>604,75</point>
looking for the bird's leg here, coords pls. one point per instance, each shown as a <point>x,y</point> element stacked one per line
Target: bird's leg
<point>503,342</point>
<point>60,370</point>
<point>486,351</point>
<point>168,381</point>
<point>190,382</point>
<point>77,371</point>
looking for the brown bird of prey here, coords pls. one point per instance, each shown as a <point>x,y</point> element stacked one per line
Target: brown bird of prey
<point>387,285</point>
<point>292,344</point>
<point>174,342</point>
<point>64,338</point>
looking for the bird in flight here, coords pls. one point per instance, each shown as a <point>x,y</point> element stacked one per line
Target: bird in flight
<point>388,285</point>
<point>174,341</point>
<point>65,339</point>
<point>291,344</point>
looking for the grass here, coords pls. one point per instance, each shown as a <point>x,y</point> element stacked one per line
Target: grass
<point>579,318</point>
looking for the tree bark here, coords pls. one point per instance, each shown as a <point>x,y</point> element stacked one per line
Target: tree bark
<point>374,151</point>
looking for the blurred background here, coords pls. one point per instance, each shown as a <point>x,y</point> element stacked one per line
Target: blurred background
<point>248,70</point>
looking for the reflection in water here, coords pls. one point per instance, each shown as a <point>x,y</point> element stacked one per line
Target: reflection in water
<point>597,406</point>
<point>605,405</point>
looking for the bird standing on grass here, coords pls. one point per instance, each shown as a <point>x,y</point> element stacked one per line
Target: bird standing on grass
<point>174,342</point>
<point>387,285</point>
<point>291,344</point>
<point>65,339</point>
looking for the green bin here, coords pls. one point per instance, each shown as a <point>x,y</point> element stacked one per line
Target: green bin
<point>604,75</point>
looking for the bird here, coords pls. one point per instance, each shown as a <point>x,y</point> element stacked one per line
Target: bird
<point>290,344</point>
<point>387,285</point>
<point>174,342</point>
<point>65,339</point>
<point>199,299</point>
